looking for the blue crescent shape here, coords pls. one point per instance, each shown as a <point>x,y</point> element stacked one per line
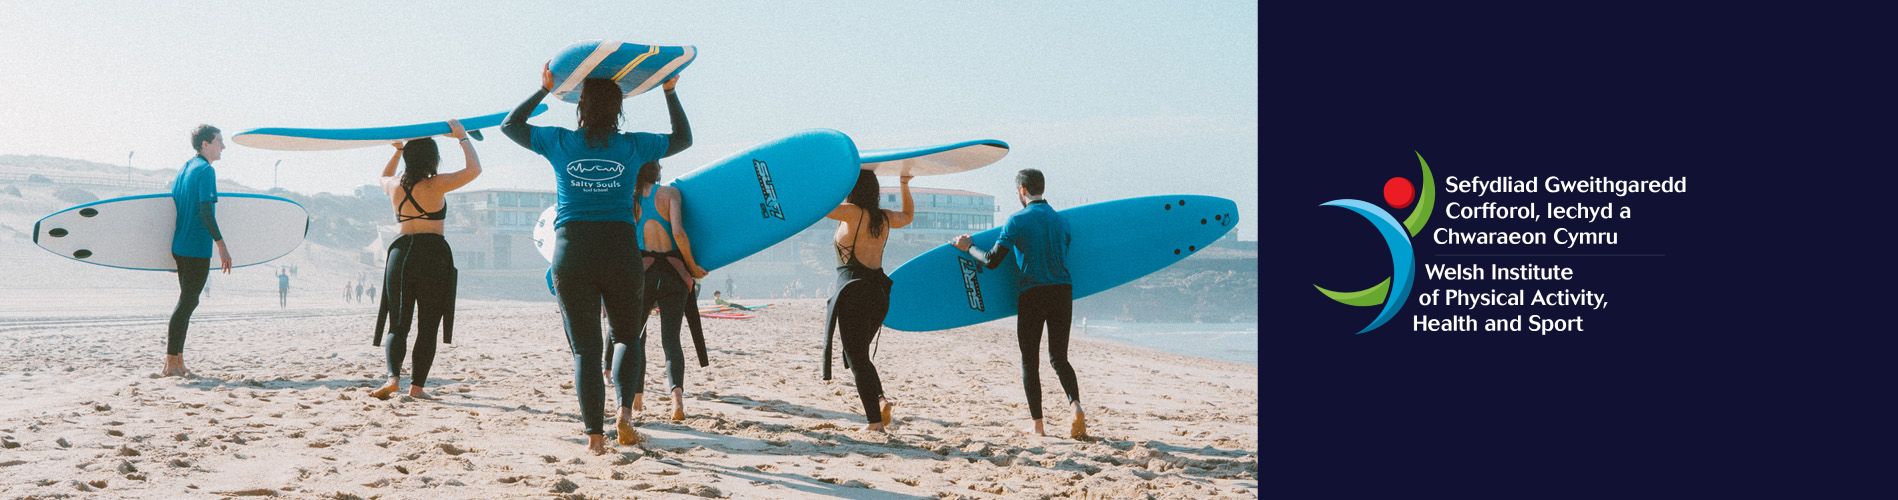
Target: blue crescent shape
<point>1402,265</point>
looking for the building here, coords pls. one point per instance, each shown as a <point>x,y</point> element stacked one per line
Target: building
<point>494,228</point>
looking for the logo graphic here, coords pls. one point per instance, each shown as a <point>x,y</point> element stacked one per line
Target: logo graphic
<point>972,282</point>
<point>770,207</point>
<point>595,170</point>
<point>1394,290</point>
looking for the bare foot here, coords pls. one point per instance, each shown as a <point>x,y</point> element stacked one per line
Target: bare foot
<point>1037,430</point>
<point>678,405</point>
<point>415,391</point>
<point>1079,429</point>
<point>639,402</point>
<point>887,405</point>
<point>878,427</point>
<point>384,392</point>
<point>627,436</point>
<point>596,444</point>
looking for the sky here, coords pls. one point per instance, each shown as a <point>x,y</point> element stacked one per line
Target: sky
<point>1110,99</point>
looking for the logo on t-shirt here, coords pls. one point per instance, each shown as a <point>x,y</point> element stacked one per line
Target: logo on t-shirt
<point>595,170</point>
<point>770,207</point>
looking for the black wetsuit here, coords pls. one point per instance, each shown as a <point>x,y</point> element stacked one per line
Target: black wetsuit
<point>596,257</point>
<point>668,286</point>
<point>418,283</point>
<point>1040,237</point>
<point>858,308</point>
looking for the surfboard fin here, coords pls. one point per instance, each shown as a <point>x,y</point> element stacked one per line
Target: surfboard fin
<point>476,134</point>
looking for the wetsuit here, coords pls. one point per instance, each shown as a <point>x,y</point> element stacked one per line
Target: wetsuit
<point>194,196</point>
<point>858,308</point>
<point>596,258</point>
<point>669,286</point>
<point>418,283</point>
<point>1038,238</point>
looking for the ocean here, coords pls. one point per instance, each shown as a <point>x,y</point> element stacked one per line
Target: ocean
<point>1235,342</point>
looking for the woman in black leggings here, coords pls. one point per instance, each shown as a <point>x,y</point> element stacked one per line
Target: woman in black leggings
<point>671,274</point>
<point>596,253</point>
<point>863,290</point>
<point>418,282</point>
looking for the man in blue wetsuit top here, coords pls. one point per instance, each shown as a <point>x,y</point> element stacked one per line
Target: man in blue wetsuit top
<point>1037,237</point>
<point>194,195</point>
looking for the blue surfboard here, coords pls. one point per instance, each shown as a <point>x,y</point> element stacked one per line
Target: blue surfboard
<point>1114,242</point>
<point>744,203</point>
<point>324,139</point>
<point>134,232</point>
<point>636,68</point>
<point>935,160</point>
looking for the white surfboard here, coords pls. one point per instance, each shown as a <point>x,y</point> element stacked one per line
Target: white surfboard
<point>134,232</point>
<point>935,160</point>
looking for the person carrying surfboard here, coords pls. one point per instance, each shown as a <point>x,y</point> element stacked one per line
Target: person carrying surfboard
<point>671,275</point>
<point>863,290</point>
<point>1038,238</point>
<point>194,195</point>
<point>418,280</point>
<point>596,249</point>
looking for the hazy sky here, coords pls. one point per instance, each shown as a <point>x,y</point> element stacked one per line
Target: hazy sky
<point>1111,99</point>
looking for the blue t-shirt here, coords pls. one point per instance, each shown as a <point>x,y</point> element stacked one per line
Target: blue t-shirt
<point>1038,238</point>
<point>196,183</point>
<point>595,184</point>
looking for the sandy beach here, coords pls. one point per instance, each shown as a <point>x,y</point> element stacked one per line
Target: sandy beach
<point>280,408</point>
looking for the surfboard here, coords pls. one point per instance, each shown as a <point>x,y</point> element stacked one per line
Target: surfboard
<point>1114,242</point>
<point>325,139</point>
<point>636,68</point>
<point>134,232</point>
<point>728,316</point>
<point>935,160</point>
<point>744,203</point>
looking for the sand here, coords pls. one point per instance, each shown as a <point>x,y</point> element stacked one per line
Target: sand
<point>279,407</point>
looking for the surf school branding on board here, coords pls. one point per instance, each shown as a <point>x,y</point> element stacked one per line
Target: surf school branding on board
<point>595,175</point>
<point>770,207</point>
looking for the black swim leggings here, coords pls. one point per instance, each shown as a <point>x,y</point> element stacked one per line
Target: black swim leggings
<point>596,264</point>
<point>417,280</point>
<point>860,312</point>
<point>1052,305</point>
<point>192,272</point>
<point>665,288</point>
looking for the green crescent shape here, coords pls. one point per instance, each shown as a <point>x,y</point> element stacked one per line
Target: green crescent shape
<point>1362,298</point>
<point>1426,203</point>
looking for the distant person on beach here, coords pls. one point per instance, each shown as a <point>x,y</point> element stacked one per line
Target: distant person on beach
<point>283,288</point>
<point>863,290</point>
<point>194,196</point>
<point>597,254</point>
<point>418,278</point>
<point>346,289</point>
<point>1037,237</point>
<point>671,273</point>
<point>358,291</point>
<point>720,301</point>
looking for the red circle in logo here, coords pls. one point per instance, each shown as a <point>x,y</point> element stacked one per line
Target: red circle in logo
<point>1399,193</point>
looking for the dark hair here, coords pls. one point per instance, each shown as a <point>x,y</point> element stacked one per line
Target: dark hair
<point>865,196</point>
<point>201,135</point>
<point>1031,179</point>
<point>648,175</point>
<point>419,159</point>
<point>600,101</point>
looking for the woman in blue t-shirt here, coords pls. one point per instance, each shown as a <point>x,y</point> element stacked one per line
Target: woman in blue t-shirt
<point>596,252</point>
